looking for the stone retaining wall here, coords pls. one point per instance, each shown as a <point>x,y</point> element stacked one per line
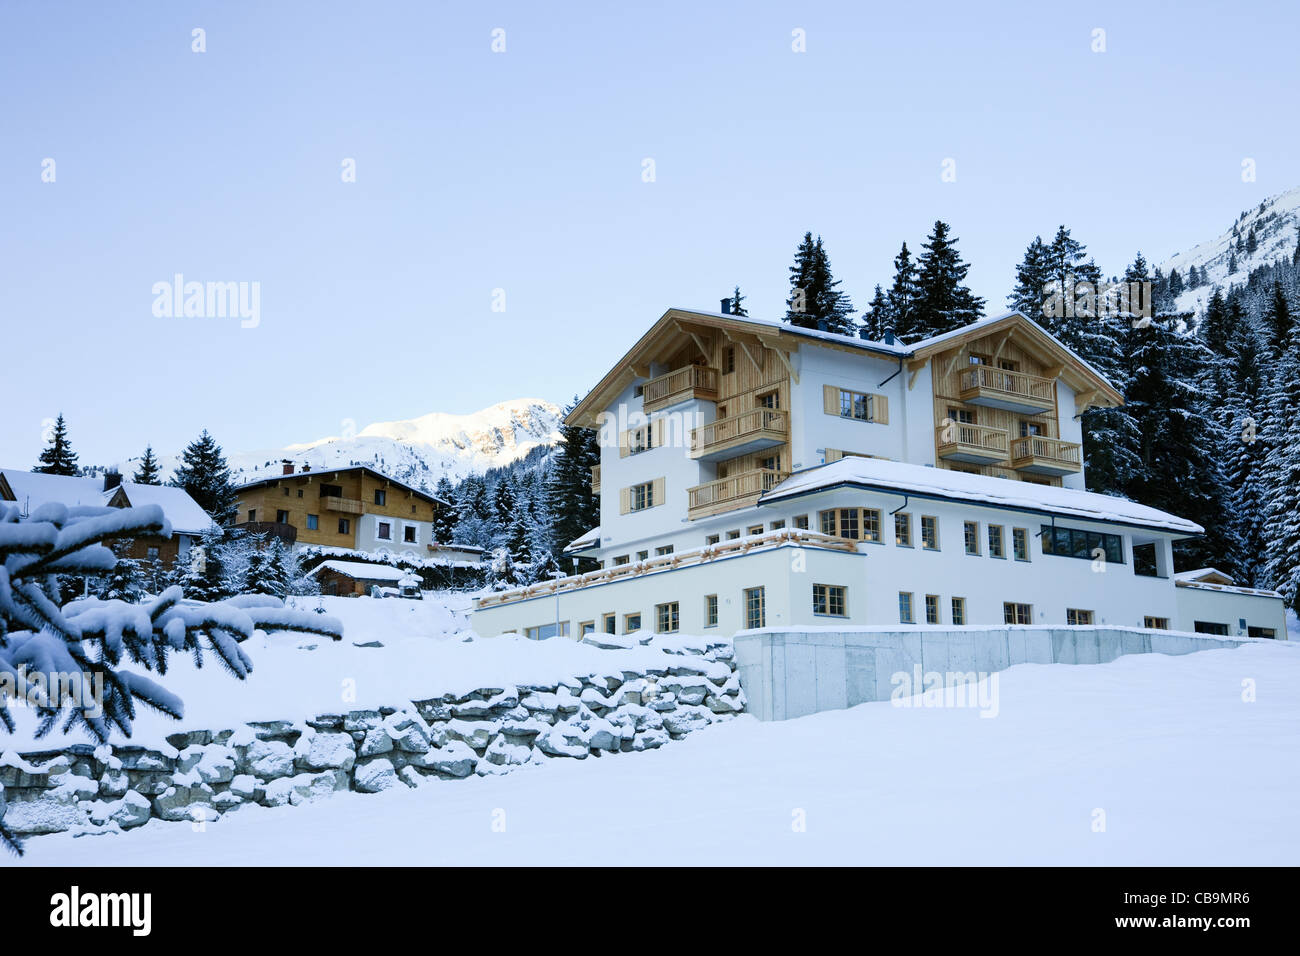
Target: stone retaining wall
<point>204,774</point>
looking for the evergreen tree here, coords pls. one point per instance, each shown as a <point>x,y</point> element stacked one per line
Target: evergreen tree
<point>473,513</point>
<point>206,576</point>
<point>125,582</point>
<point>1251,242</point>
<point>1278,322</point>
<point>1032,278</point>
<point>58,458</point>
<point>503,509</point>
<point>503,573</point>
<point>816,301</point>
<point>876,321</point>
<point>1232,263</point>
<point>943,302</point>
<point>444,519</point>
<point>1245,451</point>
<point>148,473</point>
<point>1282,465</point>
<point>799,307</point>
<point>902,297</point>
<point>738,303</point>
<point>1070,276</point>
<point>574,508</point>
<point>256,579</point>
<point>203,473</point>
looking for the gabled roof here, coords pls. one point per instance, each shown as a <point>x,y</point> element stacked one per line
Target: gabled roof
<point>589,540</point>
<point>360,571</point>
<point>1205,576</point>
<point>326,472</point>
<point>926,482</point>
<point>33,489</point>
<point>673,326</point>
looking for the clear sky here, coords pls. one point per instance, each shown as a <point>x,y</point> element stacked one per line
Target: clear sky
<point>523,171</point>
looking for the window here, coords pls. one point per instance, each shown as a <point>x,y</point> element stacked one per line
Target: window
<point>642,496</point>
<point>728,360</point>
<point>733,535</point>
<point>384,532</point>
<point>631,622</point>
<point>929,533</point>
<point>903,530</point>
<point>1144,560</point>
<point>313,522</point>
<point>666,617</point>
<point>905,612</point>
<point>962,416</point>
<point>299,492</point>
<point>282,516</point>
<point>977,359</point>
<point>641,439</point>
<point>587,627</point>
<point>770,463</point>
<point>932,609</point>
<point>1268,632</point>
<point>768,400</point>
<point>252,514</point>
<point>286,492</point>
<point>1028,429</point>
<point>710,610</point>
<point>855,405</point>
<point>642,555</point>
<point>345,526</point>
<point>1017,613</point>
<point>755,607</point>
<point>1075,616</point>
<point>622,559</point>
<point>1077,543</point>
<point>1156,623</point>
<point>996,549</point>
<point>830,599</point>
<point>801,522</point>
<point>666,549</point>
<point>971,530</point>
<point>856,523</point>
<point>638,391</point>
<point>331,491</point>
<point>711,539</point>
<point>610,621</point>
<point>381,496</point>
<point>959,610</point>
<point>543,632</point>
<point>408,534</point>
<point>1020,544</point>
<point>1210,627</point>
<point>754,529</point>
<point>776,525</point>
<point>870,524</point>
<point>152,554</point>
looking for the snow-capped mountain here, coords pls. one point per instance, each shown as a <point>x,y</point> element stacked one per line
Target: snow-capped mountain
<point>1275,222</point>
<point>417,451</point>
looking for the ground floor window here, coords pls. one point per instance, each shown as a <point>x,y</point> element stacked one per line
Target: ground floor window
<point>801,522</point>
<point>666,549</point>
<point>587,627</point>
<point>1074,615</point>
<point>1210,627</point>
<point>1261,632</point>
<point>610,622</point>
<point>755,607</point>
<point>1013,613</point>
<point>1156,623</point>
<point>959,610</point>
<point>830,599</point>
<point>905,613</point>
<point>666,617</point>
<point>932,609</point>
<point>1020,544</point>
<point>903,530</point>
<point>631,622</point>
<point>544,631</point>
<point>710,610</point>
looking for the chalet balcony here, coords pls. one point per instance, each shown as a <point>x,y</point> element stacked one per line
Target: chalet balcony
<point>741,434</point>
<point>287,533</point>
<point>1045,456</point>
<point>347,506</point>
<point>976,444</point>
<point>1014,391</point>
<point>684,384</point>
<point>595,479</point>
<point>735,491</point>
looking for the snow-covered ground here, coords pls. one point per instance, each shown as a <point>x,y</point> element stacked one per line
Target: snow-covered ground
<point>1185,769</point>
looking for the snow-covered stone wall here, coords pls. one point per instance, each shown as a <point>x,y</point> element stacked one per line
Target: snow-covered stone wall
<point>204,774</point>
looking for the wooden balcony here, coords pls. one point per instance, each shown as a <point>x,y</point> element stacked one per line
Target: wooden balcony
<point>595,479</point>
<point>741,434</point>
<point>735,491</point>
<point>347,506</point>
<point>269,529</point>
<point>1013,391</point>
<point>977,444</point>
<point>684,384</point>
<point>1045,456</point>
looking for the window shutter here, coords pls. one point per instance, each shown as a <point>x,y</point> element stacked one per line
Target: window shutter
<point>657,490</point>
<point>831,399</point>
<point>658,441</point>
<point>833,454</point>
<point>624,500</point>
<point>622,444</point>
<point>880,409</point>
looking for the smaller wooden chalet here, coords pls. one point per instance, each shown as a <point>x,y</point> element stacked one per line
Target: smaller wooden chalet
<point>355,578</point>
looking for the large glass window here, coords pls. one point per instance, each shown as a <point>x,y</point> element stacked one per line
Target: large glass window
<point>1077,543</point>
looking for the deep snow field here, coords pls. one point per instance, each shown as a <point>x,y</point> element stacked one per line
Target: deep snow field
<point>1145,760</point>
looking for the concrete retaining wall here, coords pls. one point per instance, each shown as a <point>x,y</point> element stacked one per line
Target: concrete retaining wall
<point>792,673</point>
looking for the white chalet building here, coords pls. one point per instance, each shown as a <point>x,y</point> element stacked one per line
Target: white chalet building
<point>754,474</point>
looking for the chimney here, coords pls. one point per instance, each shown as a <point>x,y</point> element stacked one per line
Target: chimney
<point>889,336</point>
<point>112,479</point>
<point>726,307</point>
<point>306,467</point>
<point>286,466</point>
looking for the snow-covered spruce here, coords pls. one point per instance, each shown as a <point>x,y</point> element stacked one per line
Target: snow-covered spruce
<point>204,774</point>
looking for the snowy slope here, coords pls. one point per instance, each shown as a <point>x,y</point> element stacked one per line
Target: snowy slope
<point>1275,222</point>
<point>418,451</point>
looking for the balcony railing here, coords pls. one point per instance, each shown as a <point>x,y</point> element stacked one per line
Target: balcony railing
<point>595,479</point>
<point>1003,388</point>
<point>347,506</point>
<point>1045,456</point>
<point>757,428</point>
<point>734,491</point>
<point>693,381</point>
<point>978,444</point>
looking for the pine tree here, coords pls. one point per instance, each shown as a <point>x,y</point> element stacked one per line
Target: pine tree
<point>255,576</point>
<point>1069,313</point>
<point>737,303</point>
<point>203,473</point>
<point>876,320</point>
<point>58,458</point>
<point>574,508</point>
<point>1251,242</point>
<point>1232,263</point>
<point>902,297</point>
<point>1032,278</point>
<point>444,518</point>
<point>125,582</point>
<point>1245,451</point>
<point>943,301</point>
<point>816,301</point>
<point>149,473</point>
<point>504,574</point>
<point>1282,464</point>
<point>1278,322</point>
<point>503,509</point>
<point>206,576</point>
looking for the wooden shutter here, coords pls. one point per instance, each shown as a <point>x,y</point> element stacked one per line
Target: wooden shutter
<point>624,500</point>
<point>658,440</point>
<point>622,444</point>
<point>657,492</point>
<point>831,399</point>
<point>880,409</point>
<point>833,454</point>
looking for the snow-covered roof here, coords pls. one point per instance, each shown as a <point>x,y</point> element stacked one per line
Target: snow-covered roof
<point>1205,575</point>
<point>359,570</point>
<point>33,489</point>
<point>958,486</point>
<point>588,540</point>
<point>325,472</point>
<point>780,325</point>
<point>1212,579</point>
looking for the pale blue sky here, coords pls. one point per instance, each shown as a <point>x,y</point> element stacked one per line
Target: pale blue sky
<point>522,171</point>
